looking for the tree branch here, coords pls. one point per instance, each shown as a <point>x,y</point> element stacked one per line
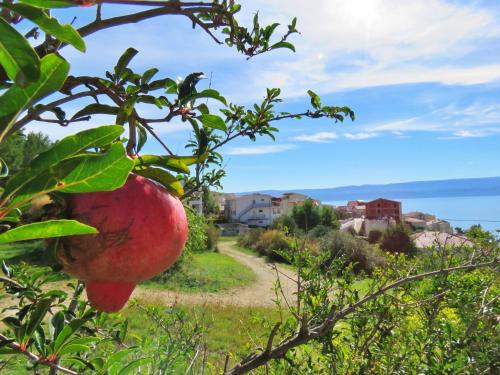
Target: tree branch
<point>300,337</point>
<point>33,357</point>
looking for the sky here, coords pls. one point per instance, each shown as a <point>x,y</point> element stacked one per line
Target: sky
<point>423,78</point>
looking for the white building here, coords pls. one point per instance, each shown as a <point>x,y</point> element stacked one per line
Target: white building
<point>260,210</point>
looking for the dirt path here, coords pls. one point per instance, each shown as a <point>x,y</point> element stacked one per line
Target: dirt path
<point>259,293</point>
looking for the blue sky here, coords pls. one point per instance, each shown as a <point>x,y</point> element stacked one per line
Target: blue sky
<point>422,76</point>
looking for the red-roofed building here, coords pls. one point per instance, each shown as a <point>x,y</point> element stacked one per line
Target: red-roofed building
<point>383,209</point>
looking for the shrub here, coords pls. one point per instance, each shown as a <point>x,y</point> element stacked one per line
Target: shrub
<point>353,250</point>
<point>396,239</point>
<point>213,234</point>
<point>374,236</point>
<point>271,242</point>
<point>285,223</point>
<point>250,238</point>
<point>319,231</point>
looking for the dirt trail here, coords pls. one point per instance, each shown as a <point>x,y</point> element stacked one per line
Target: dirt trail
<point>259,293</point>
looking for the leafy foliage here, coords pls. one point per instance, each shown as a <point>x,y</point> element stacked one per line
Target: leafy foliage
<point>396,239</point>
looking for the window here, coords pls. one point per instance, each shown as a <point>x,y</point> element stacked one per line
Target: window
<point>260,211</point>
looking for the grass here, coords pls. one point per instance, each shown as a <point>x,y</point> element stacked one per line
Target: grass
<point>229,329</point>
<point>206,272</point>
<point>255,253</point>
<point>16,252</point>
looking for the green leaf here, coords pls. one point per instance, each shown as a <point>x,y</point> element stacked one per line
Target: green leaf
<point>315,99</point>
<point>14,216</point>
<point>148,74</point>
<point>65,33</point>
<point>163,178</point>
<point>73,348</point>
<point>36,317</point>
<point>4,169</point>
<point>130,367</point>
<point>96,108</point>
<point>283,45</point>
<point>46,4</point>
<point>124,60</point>
<point>167,162</point>
<point>53,69</point>
<point>66,333</point>
<point>213,121</point>
<point>209,93</point>
<point>65,148</point>
<point>104,172</point>
<point>18,58</point>
<point>46,229</point>
<point>117,357</point>
<point>167,83</point>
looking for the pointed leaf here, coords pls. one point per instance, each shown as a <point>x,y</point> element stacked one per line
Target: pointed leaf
<point>46,4</point>
<point>124,60</point>
<point>168,162</point>
<point>65,148</point>
<point>36,317</point>
<point>96,108</point>
<point>209,93</point>
<point>163,178</point>
<point>213,121</point>
<point>18,58</point>
<point>53,69</point>
<point>65,33</point>
<point>46,229</point>
<point>283,45</point>
<point>66,333</point>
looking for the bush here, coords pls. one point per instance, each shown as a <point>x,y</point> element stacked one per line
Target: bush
<point>285,223</point>
<point>271,242</point>
<point>251,238</point>
<point>374,236</point>
<point>353,250</point>
<point>213,234</point>
<point>396,239</point>
<point>319,231</point>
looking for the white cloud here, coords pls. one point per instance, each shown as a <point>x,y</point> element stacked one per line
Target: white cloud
<point>364,43</point>
<point>327,137</point>
<point>322,137</point>
<point>260,150</point>
<point>356,136</point>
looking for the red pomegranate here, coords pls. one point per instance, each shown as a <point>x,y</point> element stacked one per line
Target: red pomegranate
<point>142,230</point>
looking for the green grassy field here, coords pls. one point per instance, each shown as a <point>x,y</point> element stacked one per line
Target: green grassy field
<point>206,272</point>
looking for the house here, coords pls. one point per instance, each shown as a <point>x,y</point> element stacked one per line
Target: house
<point>430,239</point>
<point>382,208</point>
<point>256,210</point>
<point>260,210</point>
<point>415,224</point>
<point>439,226</point>
<point>196,202</point>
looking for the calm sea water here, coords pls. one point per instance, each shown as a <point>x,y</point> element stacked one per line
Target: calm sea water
<point>459,211</point>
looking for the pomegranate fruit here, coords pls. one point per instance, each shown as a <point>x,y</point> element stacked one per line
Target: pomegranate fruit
<point>142,230</point>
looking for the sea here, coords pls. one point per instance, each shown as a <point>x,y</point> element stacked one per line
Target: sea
<point>459,211</point>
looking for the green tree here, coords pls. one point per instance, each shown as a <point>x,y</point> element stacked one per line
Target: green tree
<point>18,150</point>
<point>397,239</point>
<point>328,217</point>
<point>209,202</point>
<point>306,215</point>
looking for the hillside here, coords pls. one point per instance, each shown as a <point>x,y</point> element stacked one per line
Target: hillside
<point>418,189</point>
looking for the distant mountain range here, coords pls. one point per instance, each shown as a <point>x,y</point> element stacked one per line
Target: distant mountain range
<point>417,189</point>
